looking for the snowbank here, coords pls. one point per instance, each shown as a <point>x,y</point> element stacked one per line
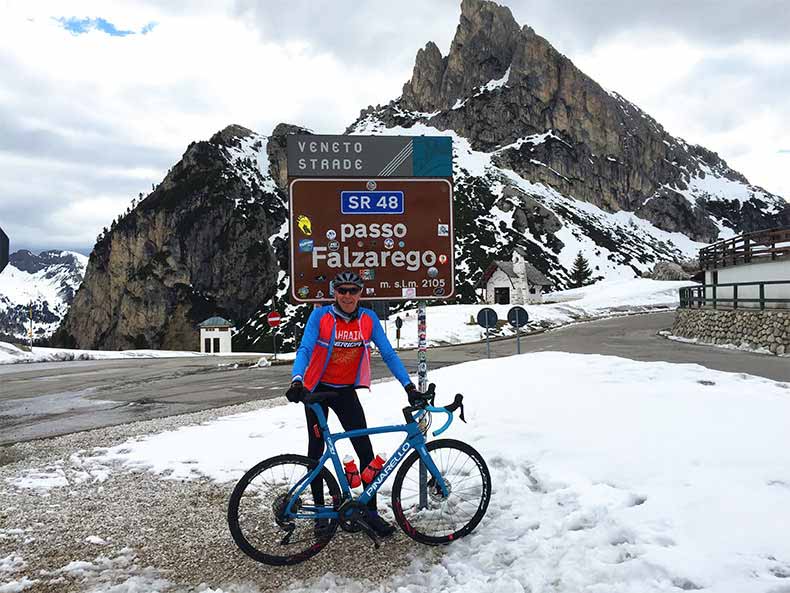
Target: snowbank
<point>608,474</point>
<point>450,324</point>
<point>10,354</point>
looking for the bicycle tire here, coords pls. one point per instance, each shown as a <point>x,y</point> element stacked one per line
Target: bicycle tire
<point>415,522</point>
<point>274,526</point>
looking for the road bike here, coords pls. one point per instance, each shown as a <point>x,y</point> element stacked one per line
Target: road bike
<point>287,508</point>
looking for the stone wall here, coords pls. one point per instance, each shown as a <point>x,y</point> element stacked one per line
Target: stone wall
<point>755,329</point>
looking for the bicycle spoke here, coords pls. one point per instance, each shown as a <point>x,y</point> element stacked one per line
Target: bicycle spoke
<point>264,528</point>
<point>445,516</point>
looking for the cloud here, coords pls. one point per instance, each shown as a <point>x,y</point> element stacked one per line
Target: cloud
<point>95,119</point>
<point>580,26</point>
<point>373,35</point>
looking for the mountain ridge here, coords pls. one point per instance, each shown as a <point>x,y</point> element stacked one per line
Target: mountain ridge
<point>607,151</point>
<point>546,163</point>
<point>44,283</point>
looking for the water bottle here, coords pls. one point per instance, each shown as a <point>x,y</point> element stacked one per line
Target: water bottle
<point>374,467</point>
<point>352,473</point>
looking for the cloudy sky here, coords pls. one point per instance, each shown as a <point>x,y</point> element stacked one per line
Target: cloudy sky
<point>99,98</point>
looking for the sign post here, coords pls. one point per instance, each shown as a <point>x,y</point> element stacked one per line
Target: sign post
<point>3,250</point>
<point>422,385</point>
<point>398,325</point>
<point>273,319</point>
<point>518,317</point>
<point>487,318</point>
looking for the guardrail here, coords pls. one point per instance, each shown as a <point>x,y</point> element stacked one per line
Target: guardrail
<point>749,247</point>
<point>735,294</point>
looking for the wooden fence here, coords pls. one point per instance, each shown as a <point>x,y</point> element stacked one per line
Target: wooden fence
<point>746,248</point>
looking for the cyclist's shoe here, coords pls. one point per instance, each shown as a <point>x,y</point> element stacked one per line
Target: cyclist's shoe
<point>379,525</point>
<point>321,528</point>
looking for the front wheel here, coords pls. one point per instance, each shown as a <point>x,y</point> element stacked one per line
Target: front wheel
<point>260,511</point>
<point>442,519</point>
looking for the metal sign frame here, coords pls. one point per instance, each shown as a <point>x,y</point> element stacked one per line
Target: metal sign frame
<point>369,156</point>
<point>293,217</point>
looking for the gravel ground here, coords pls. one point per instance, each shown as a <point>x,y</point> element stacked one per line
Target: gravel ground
<point>140,532</point>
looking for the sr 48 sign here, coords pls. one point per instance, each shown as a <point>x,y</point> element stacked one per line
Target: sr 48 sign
<point>371,202</point>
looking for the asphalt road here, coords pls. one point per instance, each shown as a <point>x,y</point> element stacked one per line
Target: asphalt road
<point>48,399</point>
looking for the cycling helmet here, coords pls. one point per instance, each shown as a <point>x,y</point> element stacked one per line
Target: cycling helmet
<point>348,278</point>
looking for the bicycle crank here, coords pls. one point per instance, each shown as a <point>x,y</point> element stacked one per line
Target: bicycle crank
<point>352,517</point>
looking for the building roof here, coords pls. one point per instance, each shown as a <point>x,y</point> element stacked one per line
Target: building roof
<point>507,268</point>
<point>534,276</point>
<point>216,322</point>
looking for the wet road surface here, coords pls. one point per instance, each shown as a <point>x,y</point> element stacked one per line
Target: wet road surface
<point>48,399</point>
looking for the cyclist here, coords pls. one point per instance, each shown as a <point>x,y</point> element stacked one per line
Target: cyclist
<point>334,355</point>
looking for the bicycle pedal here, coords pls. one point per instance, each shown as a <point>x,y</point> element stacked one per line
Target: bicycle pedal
<point>369,531</point>
<point>286,540</point>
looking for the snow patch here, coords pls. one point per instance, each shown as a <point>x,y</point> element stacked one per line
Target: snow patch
<point>610,480</point>
<point>488,87</point>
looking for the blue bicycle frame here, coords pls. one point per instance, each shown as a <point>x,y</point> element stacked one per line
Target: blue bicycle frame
<point>415,441</point>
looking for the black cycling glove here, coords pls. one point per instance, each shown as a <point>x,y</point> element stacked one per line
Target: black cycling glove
<point>415,396</point>
<point>296,392</point>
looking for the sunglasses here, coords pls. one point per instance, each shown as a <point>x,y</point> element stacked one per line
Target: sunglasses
<point>352,290</point>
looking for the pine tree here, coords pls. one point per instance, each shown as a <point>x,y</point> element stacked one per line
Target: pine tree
<point>581,273</point>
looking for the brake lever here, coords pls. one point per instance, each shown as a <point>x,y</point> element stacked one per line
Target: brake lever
<point>431,393</point>
<point>457,403</point>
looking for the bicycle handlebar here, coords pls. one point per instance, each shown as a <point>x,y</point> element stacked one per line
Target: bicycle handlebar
<point>427,406</point>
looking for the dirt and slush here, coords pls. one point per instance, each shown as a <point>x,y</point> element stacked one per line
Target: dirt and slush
<point>139,531</point>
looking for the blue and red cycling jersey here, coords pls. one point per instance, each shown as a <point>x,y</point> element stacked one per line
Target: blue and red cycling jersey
<point>337,352</point>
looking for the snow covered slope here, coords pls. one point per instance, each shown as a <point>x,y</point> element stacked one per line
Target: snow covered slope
<point>499,211</point>
<point>200,244</point>
<point>608,475</point>
<point>46,282</point>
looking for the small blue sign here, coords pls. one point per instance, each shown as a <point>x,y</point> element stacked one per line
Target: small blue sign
<point>306,245</point>
<point>371,202</point>
<point>432,156</point>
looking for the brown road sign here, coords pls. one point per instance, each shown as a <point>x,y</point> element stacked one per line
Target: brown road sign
<point>397,234</point>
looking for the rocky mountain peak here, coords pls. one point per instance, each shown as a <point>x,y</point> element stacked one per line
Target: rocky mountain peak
<point>29,262</point>
<point>513,96</point>
<point>201,244</point>
<point>277,150</point>
<point>231,136</point>
<point>482,50</point>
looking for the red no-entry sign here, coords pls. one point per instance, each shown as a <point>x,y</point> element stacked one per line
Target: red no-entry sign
<point>273,319</point>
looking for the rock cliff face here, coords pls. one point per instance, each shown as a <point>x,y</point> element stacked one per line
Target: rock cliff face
<point>200,244</point>
<point>504,88</point>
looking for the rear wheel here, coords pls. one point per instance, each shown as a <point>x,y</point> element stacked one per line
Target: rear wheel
<point>444,518</point>
<point>257,514</point>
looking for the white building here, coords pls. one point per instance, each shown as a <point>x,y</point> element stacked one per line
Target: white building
<point>748,271</point>
<point>515,282</point>
<point>215,335</point>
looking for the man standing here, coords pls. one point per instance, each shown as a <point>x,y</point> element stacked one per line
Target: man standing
<point>334,355</point>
